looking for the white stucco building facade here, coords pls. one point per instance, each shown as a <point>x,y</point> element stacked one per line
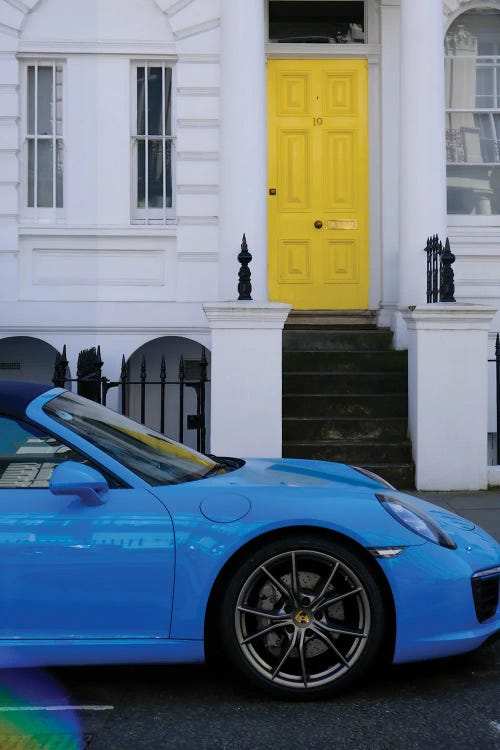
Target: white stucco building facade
<point>123,235</point>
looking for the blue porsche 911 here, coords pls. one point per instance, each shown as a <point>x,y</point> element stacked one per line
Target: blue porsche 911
<point>120,545</point>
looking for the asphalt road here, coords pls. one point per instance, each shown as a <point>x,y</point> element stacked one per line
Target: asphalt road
<point>440,705</point>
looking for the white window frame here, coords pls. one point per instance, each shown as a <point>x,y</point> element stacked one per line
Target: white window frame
<point>462,220</point>
<point>37,214</point>
<point>148,215</point>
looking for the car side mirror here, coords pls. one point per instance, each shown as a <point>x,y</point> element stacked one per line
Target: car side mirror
<point>73,478</point>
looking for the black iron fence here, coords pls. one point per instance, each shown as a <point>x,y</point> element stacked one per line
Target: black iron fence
<point>92,384</point>
<point>440,276</point>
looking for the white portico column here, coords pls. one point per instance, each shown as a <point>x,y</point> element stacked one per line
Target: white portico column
<point>243,145</point>
<point>423,146</point>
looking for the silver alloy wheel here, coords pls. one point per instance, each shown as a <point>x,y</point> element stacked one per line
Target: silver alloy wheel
<point>302,619</point>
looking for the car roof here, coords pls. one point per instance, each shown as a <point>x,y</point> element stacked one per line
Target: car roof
<point>15,396</point>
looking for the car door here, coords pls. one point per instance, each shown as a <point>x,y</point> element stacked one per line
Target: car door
<point>68,569</point>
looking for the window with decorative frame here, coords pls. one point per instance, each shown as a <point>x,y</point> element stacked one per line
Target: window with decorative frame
<point>472,57</point>
<point>43,153</point>
<point>152,143</point>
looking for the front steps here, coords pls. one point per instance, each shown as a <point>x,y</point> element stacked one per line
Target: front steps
<point>345,395</point>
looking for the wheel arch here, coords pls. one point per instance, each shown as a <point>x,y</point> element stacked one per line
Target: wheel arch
<point>212,641</point>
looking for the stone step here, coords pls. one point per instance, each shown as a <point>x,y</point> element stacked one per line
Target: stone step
<point>332,318</point>
<point>351,452</point>
<point>352,429</point>
<point>352,361</point>
<point>361,406</point>
<point>345,383</point>
<point>379,339</point>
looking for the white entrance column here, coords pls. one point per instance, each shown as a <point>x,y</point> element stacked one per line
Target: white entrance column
<point>422,143</point>
<point>243,145</point>
<point>246,377</point>
<point>448,394</point>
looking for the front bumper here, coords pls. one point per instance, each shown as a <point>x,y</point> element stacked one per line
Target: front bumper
<point>437,613</point>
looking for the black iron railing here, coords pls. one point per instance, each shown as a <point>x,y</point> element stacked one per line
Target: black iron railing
<point>440,276</point>
<point>244,274</point>
<point>92,384</point>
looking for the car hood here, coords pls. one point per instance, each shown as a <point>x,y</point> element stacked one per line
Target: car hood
<point>297,473</point>
<point>322,475</point>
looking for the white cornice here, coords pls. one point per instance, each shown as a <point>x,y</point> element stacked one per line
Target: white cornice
<point>246,314</point>
<point>448,316</point>
<point>331,51</point>
<point>126,47</point>
<point>95,329</point>
<point>39,230</point>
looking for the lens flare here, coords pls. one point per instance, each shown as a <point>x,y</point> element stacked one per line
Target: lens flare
<point>35,713</point>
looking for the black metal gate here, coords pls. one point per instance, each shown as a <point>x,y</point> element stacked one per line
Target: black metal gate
<point>92,384</point>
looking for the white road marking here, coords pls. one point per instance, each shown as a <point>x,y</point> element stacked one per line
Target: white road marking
<point>495,725</point>
<point>5,709</point>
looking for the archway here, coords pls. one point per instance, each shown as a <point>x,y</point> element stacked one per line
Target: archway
<point>27,358</point>
<point>145,365</point>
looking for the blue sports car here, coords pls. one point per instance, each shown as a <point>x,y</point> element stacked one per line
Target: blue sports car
<point>120,545</point>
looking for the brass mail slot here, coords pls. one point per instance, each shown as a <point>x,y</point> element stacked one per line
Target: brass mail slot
<point>342,224</point>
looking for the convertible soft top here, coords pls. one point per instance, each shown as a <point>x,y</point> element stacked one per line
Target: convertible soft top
<point>15,396</point>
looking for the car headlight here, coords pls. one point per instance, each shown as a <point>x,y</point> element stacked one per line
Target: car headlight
<point>416,520</point>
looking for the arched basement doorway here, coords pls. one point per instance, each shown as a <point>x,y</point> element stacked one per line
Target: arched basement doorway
<point>25,358</point>
<point>146,364</point>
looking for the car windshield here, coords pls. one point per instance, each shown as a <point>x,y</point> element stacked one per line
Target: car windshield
<point>149,454</point>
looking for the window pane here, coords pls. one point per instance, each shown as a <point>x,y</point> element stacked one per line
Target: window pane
<point>59,173</point>
<point>31,173</point>
<point>45,174</point>
<point>31,99</point>
<point>313,21</point>
<point>471,138</point>
<point>155,95</point>
<point>485,83</point>
<point>473,189</point>
<point>168,103</point>
<point>59,95</point>
<point>155,174</point>
<point>155,160</point>
<point>141,102</point>
<point>44,100</point>
<point>141,174</point>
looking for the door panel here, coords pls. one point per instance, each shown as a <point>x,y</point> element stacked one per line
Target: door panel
<point>318,183</point>
<point>68,570</point>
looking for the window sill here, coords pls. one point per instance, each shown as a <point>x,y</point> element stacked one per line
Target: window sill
<point>473,221</point>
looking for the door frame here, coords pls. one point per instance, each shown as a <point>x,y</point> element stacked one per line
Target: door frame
<point>371,53</point>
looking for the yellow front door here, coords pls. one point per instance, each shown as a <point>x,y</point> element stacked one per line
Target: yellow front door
<point>318,251</point>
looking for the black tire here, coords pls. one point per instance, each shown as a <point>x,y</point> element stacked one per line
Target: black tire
<point>302,618</point>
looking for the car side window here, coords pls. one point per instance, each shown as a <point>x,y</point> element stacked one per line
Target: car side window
<point>28,456</point>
